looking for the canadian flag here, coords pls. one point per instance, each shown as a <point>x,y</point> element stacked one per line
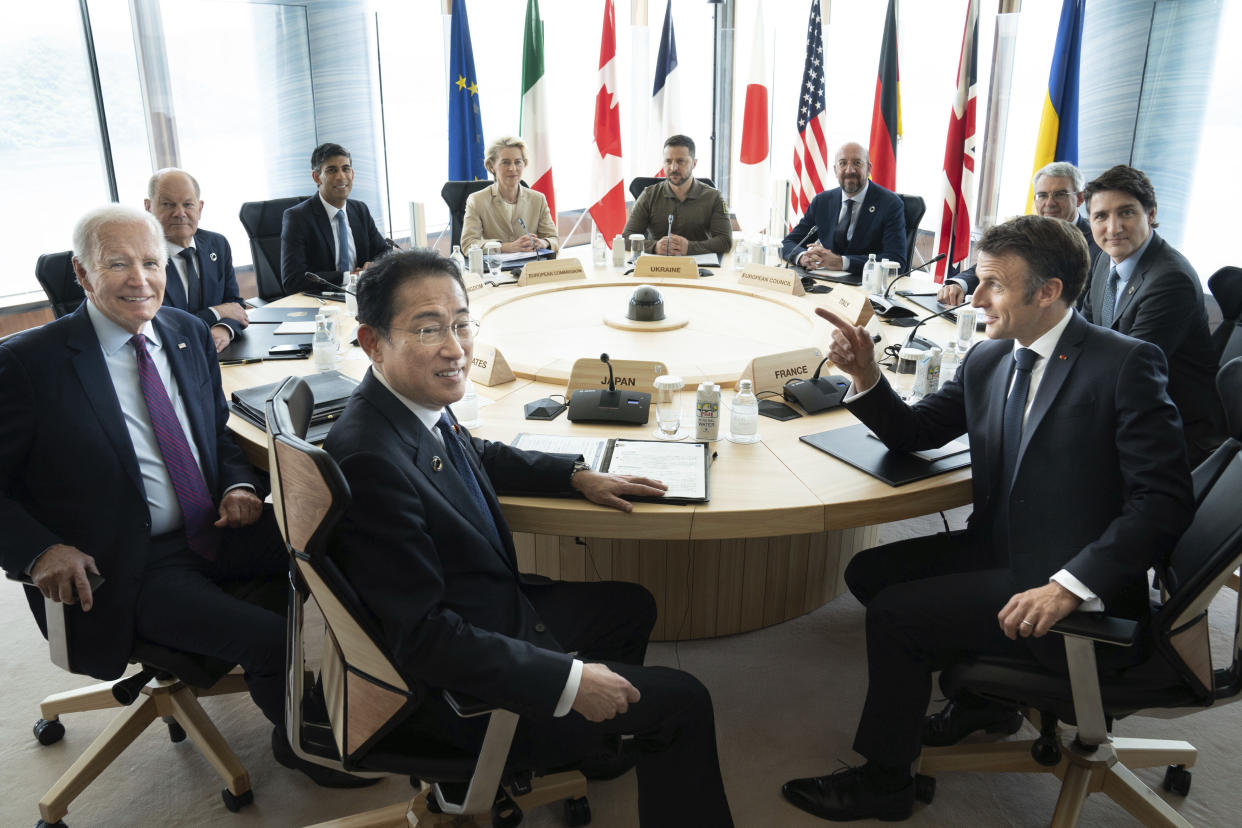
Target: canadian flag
<point>607,175</point>
<point>752,195</point>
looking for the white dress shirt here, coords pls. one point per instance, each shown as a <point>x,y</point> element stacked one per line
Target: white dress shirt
<point>1125,269</point>
<point>336,239</point>
<point>174,255</point>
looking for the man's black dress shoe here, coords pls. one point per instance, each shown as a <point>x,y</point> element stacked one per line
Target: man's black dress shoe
<point>325,777</point>
<point>957,721</point>
<point>848,795</point>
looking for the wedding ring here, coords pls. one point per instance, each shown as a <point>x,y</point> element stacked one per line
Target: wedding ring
<point>1028,623</point>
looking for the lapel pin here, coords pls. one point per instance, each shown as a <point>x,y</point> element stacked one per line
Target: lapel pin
<point>871,209</point>
<point>436,464</point>
<point>212,257</point>
<point>181,346</point>
<point>1061,356</point>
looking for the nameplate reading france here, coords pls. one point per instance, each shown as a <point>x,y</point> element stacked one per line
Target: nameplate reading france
<point>780,279</point>
<point>666,267</point>
<point>771,372</point>
<point>551,270</point>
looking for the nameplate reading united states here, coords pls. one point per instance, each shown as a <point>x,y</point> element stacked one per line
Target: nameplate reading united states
<point>551,270</point>
<point>781,279</point>
<point>488,366</point>
<point>666,267</point>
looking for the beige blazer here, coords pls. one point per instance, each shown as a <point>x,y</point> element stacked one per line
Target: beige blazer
<point>486,219</point>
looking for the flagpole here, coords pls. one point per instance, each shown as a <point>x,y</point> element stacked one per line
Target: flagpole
<point>1000,85</point>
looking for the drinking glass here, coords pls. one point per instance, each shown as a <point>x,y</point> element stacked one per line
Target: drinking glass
<point>668,407</point>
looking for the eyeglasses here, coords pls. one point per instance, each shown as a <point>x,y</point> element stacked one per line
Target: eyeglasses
<point>846,164</point>
<point>436,334</point>
<point>1059,195</point>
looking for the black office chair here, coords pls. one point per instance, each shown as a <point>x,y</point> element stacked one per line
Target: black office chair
<point>1229,388</point>
<point>167,686</point>
<point>640,183</point>
<point>915,207</point>
<point>1175,672</point>
<point>366,695</point>
<point>55,274</point>
<point>455,194</point>
<point>262,220</point>
<point>1226,286</point>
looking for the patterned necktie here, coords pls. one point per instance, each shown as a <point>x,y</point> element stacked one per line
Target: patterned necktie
<point>1015,410</point>
<point>1109,307</point>
<point>457,456</point>
<point>197,510</point>
<point>193,284</point>
<point>342,242</point>
<point>840,237</point>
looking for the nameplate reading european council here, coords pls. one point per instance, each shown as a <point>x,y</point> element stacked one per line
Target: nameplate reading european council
<point>551,270</point>
<point>780,279</point>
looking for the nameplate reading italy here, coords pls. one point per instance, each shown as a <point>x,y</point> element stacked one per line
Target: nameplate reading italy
<point>666,267</point>
<point>551,270</point>
<point>781,279</point>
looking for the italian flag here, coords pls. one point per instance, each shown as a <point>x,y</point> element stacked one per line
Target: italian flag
<point>533,123</point>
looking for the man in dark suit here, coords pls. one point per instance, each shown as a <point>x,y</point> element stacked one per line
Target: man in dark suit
<point>115,460</point>
<point>1058,194</point>
<point>1145,288</point>
<point>327,234</point>
<point>852,221</point>
<point>427,549</point>
<point>1080,484</point>
<point>200,263</point>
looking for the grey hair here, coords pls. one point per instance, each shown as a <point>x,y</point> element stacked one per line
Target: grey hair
<point>1062,169</point>
<point>87,231</point>
<point>154,181</point>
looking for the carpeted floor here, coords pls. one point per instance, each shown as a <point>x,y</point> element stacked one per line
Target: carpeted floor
<point>787,699</point>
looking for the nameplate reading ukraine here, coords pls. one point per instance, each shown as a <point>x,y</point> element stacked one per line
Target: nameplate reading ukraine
<point>551,270</point>
<point>666,267</point>
<point>781,279</point>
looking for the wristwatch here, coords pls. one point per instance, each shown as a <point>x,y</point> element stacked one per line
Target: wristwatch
<point>579,465</point>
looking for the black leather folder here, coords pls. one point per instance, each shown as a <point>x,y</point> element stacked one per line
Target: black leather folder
<point>860,448</point>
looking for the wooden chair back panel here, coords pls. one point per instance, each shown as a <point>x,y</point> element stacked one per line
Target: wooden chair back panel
<point>332,675</point>
<point>1193,644</point>
<point>305,499</point>
<point>369,707</point>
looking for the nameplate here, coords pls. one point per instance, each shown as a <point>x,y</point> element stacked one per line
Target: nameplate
<point>849,303</point>
<point>780,279</point>
<point>666,267</point>
<point>771,372</point>
<point>488,366</point>
<point>628,374</point>
<point>473,281</point>
<point>551,270</point>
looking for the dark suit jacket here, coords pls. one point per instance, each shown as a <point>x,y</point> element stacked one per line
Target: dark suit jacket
<point>1102,486</point>
<point>970,280</point>
<point>1163,304</point>
<point>881,227</point>
<point>450,601</point>
<point>306,243</point>
<point>219,282</point>
<point>68,472</point>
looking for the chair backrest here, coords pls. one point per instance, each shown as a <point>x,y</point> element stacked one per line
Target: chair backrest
<point>642,182</point>
<point>915,207</point>
<point>1226,286</point>
<point>1229,387</point>
<point>455,194</point>
<point>262,220</point>
<point>55,274</point>
<point>1199,565</point>
<point>365,693</point>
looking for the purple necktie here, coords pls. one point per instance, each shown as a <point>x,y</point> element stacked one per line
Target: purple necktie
<point>197,509</point>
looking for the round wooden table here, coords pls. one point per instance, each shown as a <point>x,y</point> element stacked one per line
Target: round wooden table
<point>784,518</point>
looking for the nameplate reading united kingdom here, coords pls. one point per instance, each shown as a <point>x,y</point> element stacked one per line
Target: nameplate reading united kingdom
<point>551,270</point>
<point>781,279</point>
<point>666,267</point>
<point>473,281</point>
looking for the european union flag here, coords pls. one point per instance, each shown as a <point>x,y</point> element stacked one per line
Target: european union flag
<point>465,123</point>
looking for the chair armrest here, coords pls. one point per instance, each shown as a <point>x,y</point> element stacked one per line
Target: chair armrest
<point>1096,626</point>
<point>467,706</point>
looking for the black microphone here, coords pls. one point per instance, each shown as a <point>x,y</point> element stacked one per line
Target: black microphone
<point>884,306</point>
<point>814,231</point>
<point>335,287</point>
<point>390,244</point>
<point>926,344</point>
<point>816,394</point>
<point>612,385</point>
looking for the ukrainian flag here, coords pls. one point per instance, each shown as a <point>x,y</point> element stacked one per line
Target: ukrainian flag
<point>1058,126</point>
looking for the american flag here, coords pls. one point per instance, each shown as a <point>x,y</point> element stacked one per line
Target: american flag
<point>811,166</point>
<point>959,154</point>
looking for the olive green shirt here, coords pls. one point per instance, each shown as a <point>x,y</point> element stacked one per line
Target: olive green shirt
<point>703,218</point>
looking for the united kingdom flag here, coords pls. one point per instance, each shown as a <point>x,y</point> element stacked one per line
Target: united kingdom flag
<point>811,168</point>
<point>959,154</point>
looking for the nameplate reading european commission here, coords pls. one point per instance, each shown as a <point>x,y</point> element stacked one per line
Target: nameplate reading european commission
<point>780,279</point>
<point>551,270</point>
<point>666,267</point>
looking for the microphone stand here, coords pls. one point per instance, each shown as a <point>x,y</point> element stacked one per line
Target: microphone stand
<point>884,307</point>
<point>918,342</point>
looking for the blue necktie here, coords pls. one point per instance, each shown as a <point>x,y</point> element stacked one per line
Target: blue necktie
<point>193,291</point>
<point>457,456</point>
<point>1110,299</point>
<point>342,242</point>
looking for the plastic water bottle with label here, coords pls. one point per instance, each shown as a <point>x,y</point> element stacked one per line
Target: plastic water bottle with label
<point>351,295</point>
<point>868,275</point>
<point>599,250</point>
<point>458,258</point>
<point>744,415</point>
<point>324,344</point>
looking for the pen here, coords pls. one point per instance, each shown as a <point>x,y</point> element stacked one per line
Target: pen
<point>240,361</point>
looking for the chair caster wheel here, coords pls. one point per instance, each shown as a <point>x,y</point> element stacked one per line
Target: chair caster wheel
<point>1177,779</point>
<point>924,788</point>
<point>506,813</point>
<point>577,812</point>
<point>176,733</point>
<point>235,802</point>
<point>57,824</point>
<point>1046,752</point>
<point>49,731</point>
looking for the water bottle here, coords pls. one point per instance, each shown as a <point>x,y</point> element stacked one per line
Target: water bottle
<point>475,257</point>
<point>467,408</point>
<point>599,250</point>
<point>744,415</point>
<point>707,412</point>
<point>458,258</point>
<point>618,251</point>
<point>351,295</point>
<point>868,275</point>
<point>324,348</point>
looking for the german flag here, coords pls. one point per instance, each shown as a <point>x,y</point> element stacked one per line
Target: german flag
<point>886,115</point>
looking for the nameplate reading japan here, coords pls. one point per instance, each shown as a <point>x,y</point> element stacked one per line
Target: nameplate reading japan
<point>666,267</point>
<point>551,270</point>
<point>781,279</point>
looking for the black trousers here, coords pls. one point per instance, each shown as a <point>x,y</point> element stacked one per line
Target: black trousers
<point>673,724</point>
<point>926,609</point>
<point>185,603</point>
